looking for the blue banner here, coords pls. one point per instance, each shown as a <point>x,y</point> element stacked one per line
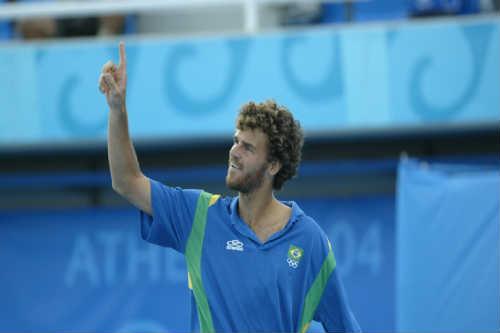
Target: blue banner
<point>88,270</point>
<point>443,72</point>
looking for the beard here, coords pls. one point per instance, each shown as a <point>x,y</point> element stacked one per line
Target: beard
<point>248,181</point>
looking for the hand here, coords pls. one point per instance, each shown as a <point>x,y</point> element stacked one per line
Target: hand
<point>113,81</point>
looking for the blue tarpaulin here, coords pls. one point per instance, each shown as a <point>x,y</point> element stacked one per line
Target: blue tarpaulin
<point>447,248</point>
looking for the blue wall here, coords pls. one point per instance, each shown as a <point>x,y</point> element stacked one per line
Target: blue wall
<point>445,72</point>
<point>88,270</point>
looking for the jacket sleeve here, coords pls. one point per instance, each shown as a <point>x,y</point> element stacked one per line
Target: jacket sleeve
<point>172,218</point>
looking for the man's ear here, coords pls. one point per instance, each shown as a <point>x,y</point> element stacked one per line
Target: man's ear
<point>274,168</point>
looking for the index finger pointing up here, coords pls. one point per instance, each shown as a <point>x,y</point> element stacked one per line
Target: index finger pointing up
<point>123,56</point>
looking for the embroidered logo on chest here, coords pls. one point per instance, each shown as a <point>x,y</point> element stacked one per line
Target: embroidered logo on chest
<point>234,245</point>
<point>295,254</point>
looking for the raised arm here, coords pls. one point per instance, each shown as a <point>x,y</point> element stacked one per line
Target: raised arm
<point>126,175</point>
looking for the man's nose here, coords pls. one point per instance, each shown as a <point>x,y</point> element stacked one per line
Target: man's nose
<point>234,152</point>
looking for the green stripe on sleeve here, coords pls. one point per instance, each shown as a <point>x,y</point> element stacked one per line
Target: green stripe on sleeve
<point>193,257</point>
<point>315,292</point>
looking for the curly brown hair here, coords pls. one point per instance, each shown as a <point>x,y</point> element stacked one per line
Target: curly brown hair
<point>284,133</point>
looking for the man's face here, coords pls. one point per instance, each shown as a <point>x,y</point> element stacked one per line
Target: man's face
<point>247,161</point>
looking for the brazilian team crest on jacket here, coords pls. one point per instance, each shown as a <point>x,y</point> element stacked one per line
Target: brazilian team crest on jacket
<point>294,255</point>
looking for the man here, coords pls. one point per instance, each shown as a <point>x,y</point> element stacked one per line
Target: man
<point>255,264</point>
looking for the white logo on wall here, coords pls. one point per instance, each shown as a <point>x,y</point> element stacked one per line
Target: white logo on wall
<point>234,245</point>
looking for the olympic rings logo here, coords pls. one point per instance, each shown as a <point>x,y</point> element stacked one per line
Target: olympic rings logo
<point>292,263</point>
